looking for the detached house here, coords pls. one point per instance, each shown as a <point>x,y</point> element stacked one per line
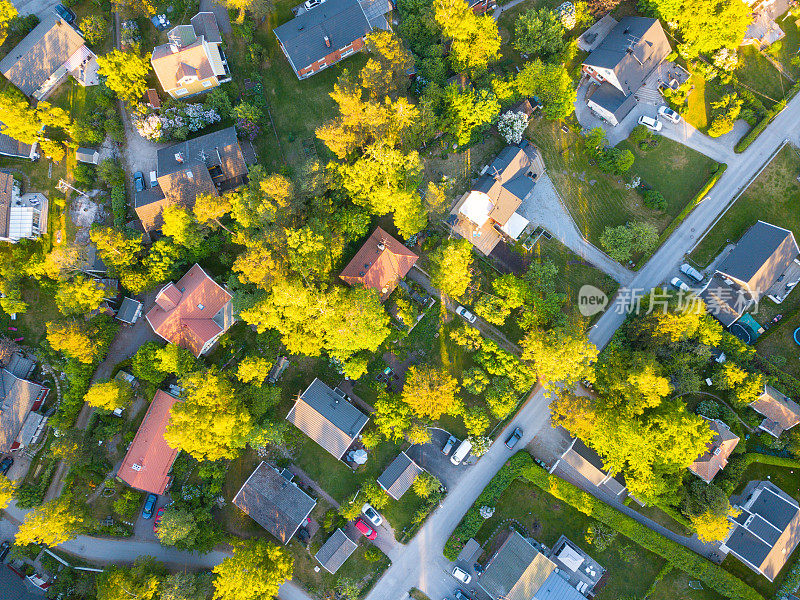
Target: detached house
<point>192,61</point>
<point>399,476</point>
<point>380,264</point>
<point>14,148</point>
<point>19,398</point>
<point>21,216</point>
<point>335,551</point>
<point>192,313</point>
<point>579,462</point>
<point>330,31</point>
<point>717,453</point>
<point>780,412</point>
<point>621,64</point>
<point>46,56</point>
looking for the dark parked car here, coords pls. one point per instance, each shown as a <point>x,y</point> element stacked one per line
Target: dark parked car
<point>65,13</point>
<point>5,465</point>
<point>4,548</point>
<point>451,441</point>
<point>138,181</point>
<point>514,438</point>
<point>461,595</point>
<point>149,506</point>
<point>303,535</point>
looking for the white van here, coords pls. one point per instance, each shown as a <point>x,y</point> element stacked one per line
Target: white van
<point>461,452</point>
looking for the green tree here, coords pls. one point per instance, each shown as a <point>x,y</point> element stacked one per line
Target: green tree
<point>176,360</point>
<point>7,13</point>
<point>254,572</point>
<point>141,580</point>
<point>539,32</point>
<point>711,527</point>
<point>178,527</point>
<point>94,28</point>
<point>375,495</point>
<point>467,111</point>
<point>392,417</point>
<point>620,242</point>
<point>72,341</point>
<point>550,83</point>
<point>385,73</point>
<point>561,355</point>
<point>79,296</point>
<point>425,484</point>
<point>110,395</point>
<point>501,398</point>
<point>450,267</point>
<point>475,39</point>
<point>125,74</point>
<point>51,524</point>
<point>180,225</point>
<point>431,392</point>
<point>186,586</point>
<point>146,364</point>
<point>476,421</point>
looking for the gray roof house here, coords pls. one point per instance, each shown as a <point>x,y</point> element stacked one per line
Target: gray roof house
<point>767,530</point>
<point>129,311</point>
<point>399,476</point>
<point>763,263</point>
<point>87,155</point>
<point>581,462</point>
<point>18,397</point>
<point>325,415</point>
<point>45,57</point>
<point>14,148</point>
<point>273,501</point>
<point>335,551</point>
<point>621,63</point>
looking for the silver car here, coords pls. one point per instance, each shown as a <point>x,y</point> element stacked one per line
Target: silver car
<point>468,316</point>
<point>689,270</point>
<point>679,285</point>
<point>670,115</point>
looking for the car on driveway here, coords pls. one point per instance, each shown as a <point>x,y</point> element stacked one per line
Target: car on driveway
<point>468,316</point>
<point>372,515</point>
<point>667,113</point>
<point>460,595</point>
<point>462,575</point>
<point>157,521</point>
<point>149,506</point>
<point>368,531</point>
<point>678,284</point>
<point>5,465</point>
<point>138,181</point>
<point>451,441</point>
<point>4,548</point>
<point>651,123</point>
<point>689,270</point>
<point>65,13</point>
<point>515,436</point>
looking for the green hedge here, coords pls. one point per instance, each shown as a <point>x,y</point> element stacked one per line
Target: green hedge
<point>681,558</point>
<point>694,202</point>
<point>743,143</point>
<point>472,521</point>
<point>730,478</point>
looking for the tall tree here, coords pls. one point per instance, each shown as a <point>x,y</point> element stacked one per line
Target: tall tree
<point>72,341</point>
<point>253,369</point>
<point>79,296</point>
<point>450,267</point>
<point>6,491</point>
<point>254,572</point>
<point>431,392</point>
<point>467,111</point>
<point>475,39</point>
<point>32,125</point>
<point>125,74</point>
<point>539,32</point>
<point>385,73</point>
<point>141,581</point>
<point>260,9</point>
<point>51,524</point>
<point>550,83</point>
<point>110,394</point>
<point>7,12</point>
<point>186,586</point>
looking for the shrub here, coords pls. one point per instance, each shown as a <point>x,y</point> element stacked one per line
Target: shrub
<point>655,200</point>
<point>709,408</point>
<point>85,175</point>
<point>639,134</point>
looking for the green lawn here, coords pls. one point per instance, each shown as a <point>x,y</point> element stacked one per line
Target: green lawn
<point>698,109</point>
<point>631,569</point>
<point>761,76</point>
<point>773,197</point>
<point>675,586</point>
<point>786,49</point>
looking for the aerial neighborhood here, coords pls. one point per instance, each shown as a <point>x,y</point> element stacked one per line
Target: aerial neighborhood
<point>393,300</point>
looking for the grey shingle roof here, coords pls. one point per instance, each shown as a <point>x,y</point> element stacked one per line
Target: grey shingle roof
<point>610,98</point>
<point>127,310</point>
<point>217,148</point>
<point>17,397</point>
<point>399,476</point>
<point>327,418</point>
<point>556,587</point>
<point>205,24</point>
<point>335,551</point>
<point>11,147</point>
<point>276,504</point>
<point>516,571</point>
<point>303,38</point>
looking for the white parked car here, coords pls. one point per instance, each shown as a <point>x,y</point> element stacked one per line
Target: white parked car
<point>689,270</point>
<point>679,285</point>
<point>466,314</point>
<point>651,123</point>
<point>372,515</point>
<point>462,575</point>
<point>670,115</point>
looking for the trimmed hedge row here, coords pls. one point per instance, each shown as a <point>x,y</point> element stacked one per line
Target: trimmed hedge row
<point>473,520</point>
<point>694,202</point>
<point>681,558</point>
<point>756,131</point>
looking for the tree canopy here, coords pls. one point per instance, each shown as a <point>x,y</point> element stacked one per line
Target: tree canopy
<point>254,572</point>
<point>539,32</point>
<point>431,392</point>
<point>51,524</point>
<point>125,74</point>
<point>110,394</point>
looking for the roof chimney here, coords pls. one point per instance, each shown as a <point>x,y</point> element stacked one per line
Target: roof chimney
<point>381,246</point>
<point>327,41</point>
<point>179,157</point>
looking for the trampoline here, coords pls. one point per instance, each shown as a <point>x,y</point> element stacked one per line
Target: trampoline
<point>796,334</point>
<point>741,332</point>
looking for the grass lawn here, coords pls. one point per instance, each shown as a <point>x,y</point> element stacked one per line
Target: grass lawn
<point>631,569</point>
<point>675,586</point>
<point>660,517</point>
<point>773,197</point>
<point>698,108</point>
<point>761,76</point>
<point>786,49</point>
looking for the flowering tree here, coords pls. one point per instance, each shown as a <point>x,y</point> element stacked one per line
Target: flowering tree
<point>512,125</point>
<point>174,122</point>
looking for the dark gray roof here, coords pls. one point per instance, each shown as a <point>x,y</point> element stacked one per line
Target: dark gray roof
<point>594,459</point>
<point>303,38</point>
<point>127,310</point>
<point>556,587</point>
<point>375,10</point>
<point>327,418</point>
<point>205,24</point>
<point>747,546</point>
<point>17,397</point>
<point>147,196</point>
<point>761,256</point>
<point>273,502</point>
<point>633,49</point>
<point>520,186</point>
<point>776,509</point>
<point>217,148</point>
<point>11,147</point>
<point>510,574</point>
<point>610,98</point>
<point>399,476</point>
<point>724,302</point>
<point>335,551</point>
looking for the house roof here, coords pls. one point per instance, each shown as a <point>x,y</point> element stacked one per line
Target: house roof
<point>303,38</point>
<point>11,147</point>
<point>516,571</point>
<point>591,466</point>
<point>86,154</point>
<point>506,183</point>
<point>782,412</point>
<point>17,397</point>
<point>380,263</point>
<point>48,46</point>
<point>220,148</point>
<point>149,459</point>
<point>556,587</point>
<point>376,11</point>
<point>610,98</point>
<point>718,450</point>
<point>191,312</point>
<point>335,551</point>
<point>128,309</point>
<point>6,187</point>
<point>724,301</point>
<point>171,63</point>
<point>632,50</point>
<point>205,24</point>
<point>767,530</point>
<point>327,418</point>
<point>274,502</point>
<point>762,255</point>
<point>399,475</point>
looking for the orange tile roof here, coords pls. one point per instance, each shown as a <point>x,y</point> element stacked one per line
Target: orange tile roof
<point>197,301</point>
<point>171,64</point>
<point>379,268</point>
<point>717,453</point>
<point>149,458</point>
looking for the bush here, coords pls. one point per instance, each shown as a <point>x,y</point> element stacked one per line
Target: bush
<point>639,134</point>
<point>709,409</point>
<point>655,200</point>
<point>22,25</point>
<point>119,206</point>
<point>85,175</point>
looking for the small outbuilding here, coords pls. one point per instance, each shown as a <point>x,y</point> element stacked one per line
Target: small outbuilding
<point>129,311</point>
<point>87,155</point>
<point>399,476</point>
<point>335,551</point>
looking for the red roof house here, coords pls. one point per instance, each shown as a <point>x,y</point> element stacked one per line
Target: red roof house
<point>192,313</point>
<point>380,264</point>
<point>149,459</point>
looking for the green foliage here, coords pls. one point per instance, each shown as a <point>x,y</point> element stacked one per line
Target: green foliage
<point>468,111</point>
<point>655,200</point>
<point>550,83</point>
<point>450,267</point>
<point>475,39</point>
<point>119,206</point>
<point>539,32</point>
<point>125,74</point>
<point>639,134</point>
<point>94,28</point>
<point>128,503</point>
<point>635,237</point>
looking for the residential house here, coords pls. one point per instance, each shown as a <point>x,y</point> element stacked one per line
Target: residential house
<point>718,450</point>
<point>325,415</point>
<point>19,398</point>
<point>488,212</point>
<point>628,54</point>
<point>766,531</point>
<point>87,155</point>
<point>329,32</point>
<point>380,264</point>
<point>149,459</point>
<point>764,30</point>
<point>274,501</point>
<point>14,148</point>
<point>582,463</point>
<point>335,551</point>
<point>518,570</point>
<point>192,61</point>
<point>780,412</point>
<point>44,58</point>
<point>399,476</point>
<point>192,313</point>
<point>22,216</point>
<point>763,263</point>
<point>209,164</point>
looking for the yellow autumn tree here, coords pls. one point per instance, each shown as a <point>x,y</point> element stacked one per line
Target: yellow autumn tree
<point>6,491</point>
<point>431,392</point>
<point>51,524</point>
<point>109,394</point>
<point>69,339</point>
<point>713,527</point>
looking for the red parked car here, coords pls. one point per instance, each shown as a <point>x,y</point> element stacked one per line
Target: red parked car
<point>368,531</point>
<point>159,514</point>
